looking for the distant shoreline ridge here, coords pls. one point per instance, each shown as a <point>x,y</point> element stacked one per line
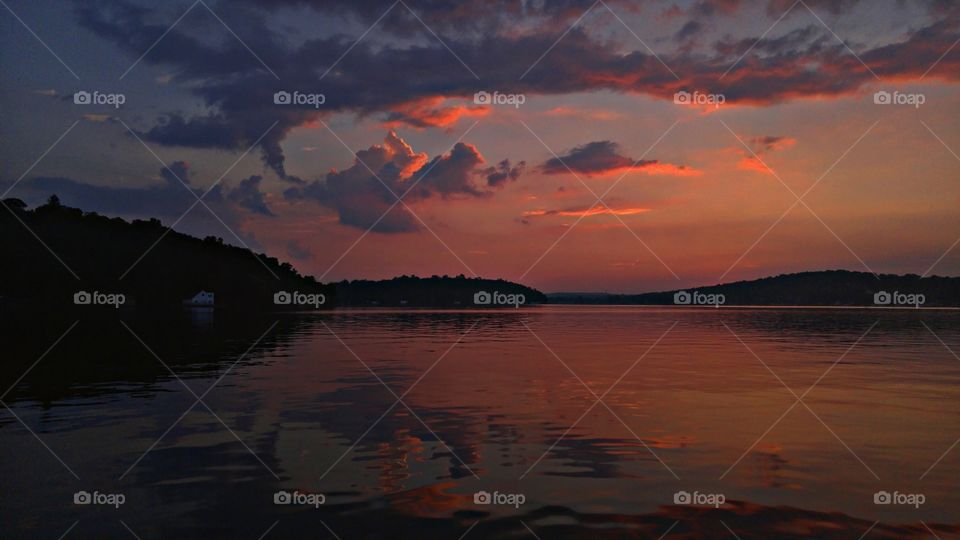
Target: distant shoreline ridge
<point>111,264</point>
<point>824,288</point>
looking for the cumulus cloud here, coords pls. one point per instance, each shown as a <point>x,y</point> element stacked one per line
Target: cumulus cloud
<point>365,194</point>
<point>452,174</point>
<point>600,158</point>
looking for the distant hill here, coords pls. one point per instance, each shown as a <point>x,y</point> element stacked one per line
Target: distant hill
<point>436,291</point>
<point>101,251</point>
<point>823,288</point>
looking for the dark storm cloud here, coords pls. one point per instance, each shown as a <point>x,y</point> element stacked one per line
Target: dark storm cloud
<point>377,77</point>
<point>459,16</point>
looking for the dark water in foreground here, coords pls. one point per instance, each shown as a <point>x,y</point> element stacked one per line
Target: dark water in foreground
<point>503,402</point>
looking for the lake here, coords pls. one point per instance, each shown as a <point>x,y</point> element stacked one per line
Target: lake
<point>542,422</point>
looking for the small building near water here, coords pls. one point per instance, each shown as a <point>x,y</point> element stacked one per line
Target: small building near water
<point>201,299</point>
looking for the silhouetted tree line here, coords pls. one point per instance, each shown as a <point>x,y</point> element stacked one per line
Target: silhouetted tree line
<point>822,288</point>
<point>434,291</point>
<point>100,250</point>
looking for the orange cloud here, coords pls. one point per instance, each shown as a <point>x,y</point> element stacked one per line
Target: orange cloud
<point>750,163</point>
<point>652,168</point>
<point>431,112</point>
<point>594,211</point>
<point>669,169</point>
<point>99,118</point>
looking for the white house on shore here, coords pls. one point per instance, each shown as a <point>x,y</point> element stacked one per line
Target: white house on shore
<point>201,299</point>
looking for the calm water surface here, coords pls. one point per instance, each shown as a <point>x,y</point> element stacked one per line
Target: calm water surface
<point>795,417</point>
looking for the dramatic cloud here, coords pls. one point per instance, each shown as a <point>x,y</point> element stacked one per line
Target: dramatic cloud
<point>600,158</point>
<point>365,194</point>
<point>452,174</point>
<point>412,81</point>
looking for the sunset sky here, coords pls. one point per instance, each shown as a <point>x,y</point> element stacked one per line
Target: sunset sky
<point>691,193</point>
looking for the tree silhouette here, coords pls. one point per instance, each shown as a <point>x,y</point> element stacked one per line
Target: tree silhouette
<point>155,266</point>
